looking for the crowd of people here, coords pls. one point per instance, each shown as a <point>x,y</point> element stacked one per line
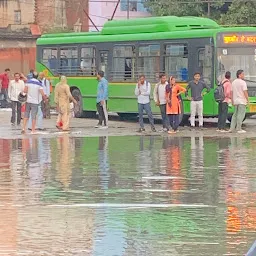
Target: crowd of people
<point>167,95</point>
<point>32,93</point>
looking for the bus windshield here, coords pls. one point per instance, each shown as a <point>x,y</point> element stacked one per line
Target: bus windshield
<point>233,59</point>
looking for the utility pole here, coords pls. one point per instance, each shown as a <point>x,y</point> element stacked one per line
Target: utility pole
<point>209,8</point>
<point>128,9</point>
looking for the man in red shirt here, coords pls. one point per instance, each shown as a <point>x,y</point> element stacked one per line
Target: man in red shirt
<point>4,83</point>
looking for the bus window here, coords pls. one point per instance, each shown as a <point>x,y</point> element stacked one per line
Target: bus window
<point>205,65</point>
<point>176,61</point>
<point>87,62</point>
<point>68,62</point>
<point>50,58</point>
<point>149,61</point>
<point>124,63</point>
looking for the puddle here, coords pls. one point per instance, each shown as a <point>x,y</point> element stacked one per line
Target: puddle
<point>127,196</point>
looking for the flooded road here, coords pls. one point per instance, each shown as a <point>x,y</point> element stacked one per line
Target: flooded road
<point>127,196</point>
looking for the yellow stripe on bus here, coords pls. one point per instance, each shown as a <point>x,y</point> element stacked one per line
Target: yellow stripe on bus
<point>111,83</point>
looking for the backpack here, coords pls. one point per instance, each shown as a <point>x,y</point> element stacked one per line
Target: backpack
<point>219,94</point>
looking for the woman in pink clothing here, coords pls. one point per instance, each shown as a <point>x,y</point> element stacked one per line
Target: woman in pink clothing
<point>223,106</point>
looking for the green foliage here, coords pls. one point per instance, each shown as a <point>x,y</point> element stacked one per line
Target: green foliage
<point>182,8</point>
<point>238,12</point>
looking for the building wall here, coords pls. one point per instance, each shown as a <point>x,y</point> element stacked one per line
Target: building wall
<point>18,55</point>
<point>100,12</point>
<point>75,14</point>
<point>8,9</point>
<point>18,52</point>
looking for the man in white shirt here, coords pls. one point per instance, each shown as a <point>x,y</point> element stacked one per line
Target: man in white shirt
<point>142,91</point>
<point>40,113</point>
<point>35,93</point>
<point>46,87</point>
<point>16,86</point>
<point>239,97</point>
<point>160,100</point>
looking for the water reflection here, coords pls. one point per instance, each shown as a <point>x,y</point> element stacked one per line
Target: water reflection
<point>127,196</point>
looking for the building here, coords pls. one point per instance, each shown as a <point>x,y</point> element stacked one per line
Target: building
<point>22,22</point>
<point>101,11</point>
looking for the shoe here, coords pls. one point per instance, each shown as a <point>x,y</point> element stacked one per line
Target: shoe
<point>13,124</point>
<point>58,127</point>
<point>141,130</point>
<point>153,129</point>
<point>103,127</point>
<point>223,131</point>
<point>41,129</point>
<point>201,127</point>
<point>241,131</point>
<point>230,131</point>
<point>98,125</point>
<point>172,132</point>
<point>23,132</point>
<point>218,130</point>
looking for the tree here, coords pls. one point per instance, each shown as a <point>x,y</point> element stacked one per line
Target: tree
<point>185,7</point>
<point>240,12</point>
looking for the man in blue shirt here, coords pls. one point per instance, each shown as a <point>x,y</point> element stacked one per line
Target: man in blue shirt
<point>102,97</point>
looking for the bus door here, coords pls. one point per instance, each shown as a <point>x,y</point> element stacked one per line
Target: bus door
<point>206,68</point>
<point>205,64</point>
<point>103,62</point>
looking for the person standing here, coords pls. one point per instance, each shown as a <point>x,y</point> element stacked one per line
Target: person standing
<point>173,107</point>
<point>223,106</point>
<point>160,100</point>
<point>196,106</point>
<point>62,98</point>
<point>45,104</point>
<point>16,86</point>
<point>240,98</point>
<point>4,83</point>
<point>142,91</point>
<point>30,74</point>
<point>35,93</point>
<point>102,98</point>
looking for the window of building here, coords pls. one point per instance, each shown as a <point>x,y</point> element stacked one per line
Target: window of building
<point>134,5</point>
<point>68,62</point>
<point>49,58</point>
<point>176,61</point>
<point>149,61</point>
<point>17,17</point>
<point>124,63</point>
<point>88,61</point>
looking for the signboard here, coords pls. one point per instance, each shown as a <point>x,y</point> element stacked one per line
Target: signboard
<point>236,39</point>
<point>239,39</point>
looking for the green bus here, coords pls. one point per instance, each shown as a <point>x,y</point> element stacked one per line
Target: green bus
<point>124,49</point>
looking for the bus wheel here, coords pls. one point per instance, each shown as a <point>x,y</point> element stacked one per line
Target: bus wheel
<point>230,118</point>
<point>182,117</point>
<point>184,120</point>
<point>127,116</point>
<point>90,114</point>
<point>79,107</point>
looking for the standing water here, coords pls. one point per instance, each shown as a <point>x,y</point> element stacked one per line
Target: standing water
<point>127,196</point>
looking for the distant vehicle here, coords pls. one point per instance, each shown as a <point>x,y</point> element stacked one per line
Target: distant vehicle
<point>124,49</point>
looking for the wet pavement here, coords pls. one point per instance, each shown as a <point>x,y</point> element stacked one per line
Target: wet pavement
<point>190,194</point>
